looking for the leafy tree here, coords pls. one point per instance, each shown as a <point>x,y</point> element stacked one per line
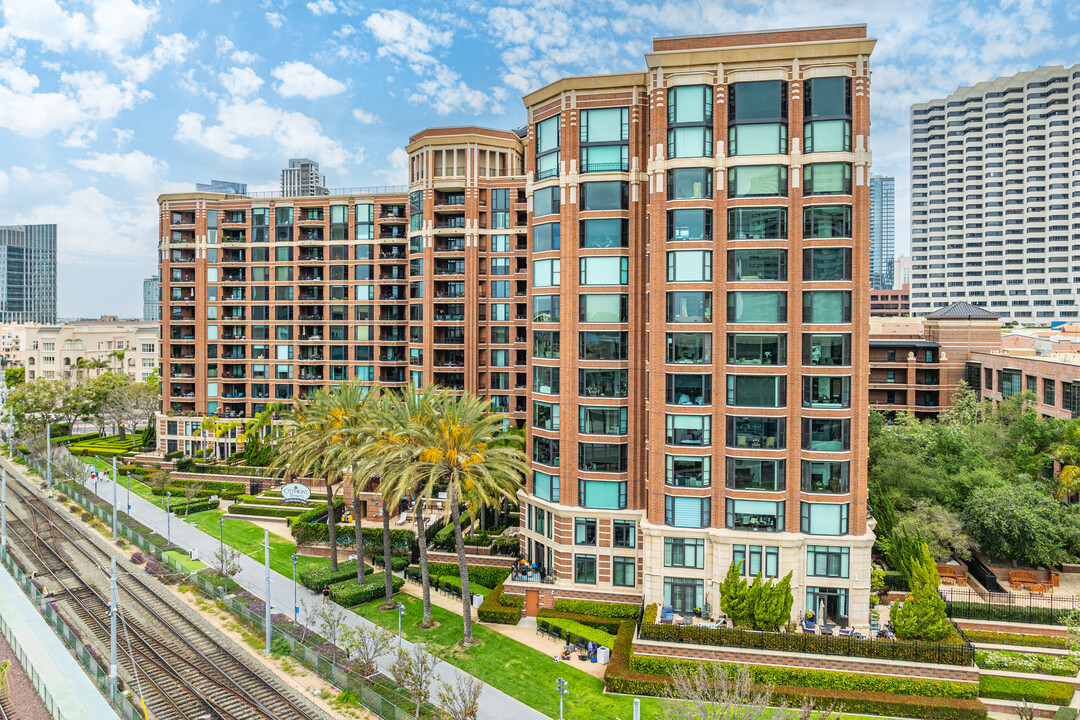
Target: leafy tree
<point>414,670</point>
<point>735,594</point>
<point>1021,523</point>
<point>460,700</point>
<point>709,691</point>
<point>368,642</point>
<point>940,528</point>
<point>922,616</point>
<point>772,608</point>
<point>36,403</point>
<point>14,376</point>
<point>100,389</point>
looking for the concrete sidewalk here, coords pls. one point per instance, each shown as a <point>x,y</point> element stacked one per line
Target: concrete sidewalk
<point>494,704</point>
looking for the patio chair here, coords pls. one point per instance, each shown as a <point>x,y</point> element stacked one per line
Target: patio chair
<point>846,631</point>
<point>556,632</point>
<point>826,630</point>
<point>667,614</point>
<point>542,628</point>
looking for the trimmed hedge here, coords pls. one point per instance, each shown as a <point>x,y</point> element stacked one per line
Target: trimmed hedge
<point>598,609</point>
<point>995,638</point>
<point>1009,613</point>
<point>135,470</point>
<point>233,470</point>
<point>500,608</point>
<point>217,485</point>
<point>579,632</point>
<point>557,617</point>
<point>397,564</point>
<point>314,579</point>
<point>348,593</point>
<point>182,507</point>
<point>455,581</point>
<point>1036,691</point>
<point>256,500</point>
<point>487,577</point>
<point>260,511</point>
<point>1065,713</point>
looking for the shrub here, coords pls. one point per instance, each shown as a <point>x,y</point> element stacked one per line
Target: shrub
<point>455,581</point>
<point>1065,713</point>
<point>258,511</point>
<point>598,609</point>
<point>1009,613</point>
<point>1036,691</point>
<point>495,609</point>
<point>349,593</point>
<point>185,465</point>
<point>995,638</point>
<point>894,580</point>
<point>174,454</point>
<point>134,470</point>
<point>609,625</point>
<point>487,577</point>
<point>579,632</point>
<point>138,558</point>
<point>183,507</point>
<point>1026,662</point>
<point>397,564</point>
<point>314,579</point>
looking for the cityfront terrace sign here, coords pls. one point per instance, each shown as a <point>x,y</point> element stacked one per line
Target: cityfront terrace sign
<point>296,492</point>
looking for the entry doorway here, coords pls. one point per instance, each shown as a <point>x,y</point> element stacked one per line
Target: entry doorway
<point>830,605</point>
<point>532,602</point>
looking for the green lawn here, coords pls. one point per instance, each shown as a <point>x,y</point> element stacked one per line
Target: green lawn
<point>518,670</point>
<point>137,487</point>
<point>248,539</point>
<point>186,562</point>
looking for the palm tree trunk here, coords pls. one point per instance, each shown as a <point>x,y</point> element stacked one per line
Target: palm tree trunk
<point>331,525</point>
<point>459,541</point>
<point>359,538</point>
<point>387,577</point>
<point>425,579</point>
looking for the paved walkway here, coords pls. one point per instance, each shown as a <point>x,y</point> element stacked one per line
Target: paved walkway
<point>74,693</point>
<point>494,704</point>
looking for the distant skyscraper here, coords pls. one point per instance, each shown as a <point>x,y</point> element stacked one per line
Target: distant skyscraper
<point>302,179</point>
<point>990,197</point>
<point>226,187</point>
<point>882,231</point>
<point>151,295</point>
<point>901,272</point>
<point>28,273</point>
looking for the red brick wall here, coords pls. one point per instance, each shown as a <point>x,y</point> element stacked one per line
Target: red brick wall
<point>703,42</point>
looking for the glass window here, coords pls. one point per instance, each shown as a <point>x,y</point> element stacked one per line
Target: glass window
<point>613,195</point>
<point>756,390</point>
<point>683,594</point>
<point>690,104</point>
<point>602,457</point>
<point>585,569</point>
<point>606,308</point>
<point>1049,392</point>
<point>688,142</point>
<point>546,236</point>
<point>827,97</point>
<point>546,380</point>
<point>758,181</point>
<point>689,307</point>
<point>584,531</point>
<point>602,420</point>
<point>683,389</point>
<point>689,266</point>
<point>689,348</point>
<point>755,102</point>
<point>829,350</point>
<point>689,225</point>
<point>602,383</point>
<point>756,265</point>
<point>828,136</point>
<point>755,474</point>
<point>546,451</point>
<point>757,223</point>
<point>623,534</point>
<point>757,307</point>
<point>827,264</point>
<point>623,571</point>
<point>755,515</point>
<point>827,306</point>
<point>605,158</point>
<point>604,233</point>
<point>602,494</point>
<point>757,139</point>
<point>689,430</point>
<point>546,201</point>
<point>688,471</point>
<point>756,349</point>
<point>545,273</point>
<point>824,561</point>
<point>545,415</point>
<point>827,179</point>
<point>825,476</point>
<point>686,512</point>
<point>826,434</point>
<point>545,308</point>
<point>604,270</point>
<point>689,184</point>
<point>602,345</point>
<point>605,125</point>
<point>821,391</point>
<point>751,558</point>
<point>547,148</point>
<point>756,432</point>
<point>684,552</point>
<point>824,519</point>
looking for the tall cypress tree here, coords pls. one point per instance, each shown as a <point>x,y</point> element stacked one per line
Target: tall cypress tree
<point>922,616</point>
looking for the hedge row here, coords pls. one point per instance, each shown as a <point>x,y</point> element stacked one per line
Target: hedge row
<point>598,609</point>
<point>1035,691</point>
<point>135,470</point>
<point>314,578</point>
<point>1065,713</point>
<point>1008,613</point>
<point>557,617</point>
<point>220,486</point>
<point>260,511</point>
<point>575,632</point>
<point>397,564</point>
<point>234,470</point>
<point>500,608</point>
<point>349,593</point>
<point>75,438</point>
<point>487,577</point>
<point>996,638</point>
<point>455,581</point>
<point>258,500</point>
<point>182,507</point>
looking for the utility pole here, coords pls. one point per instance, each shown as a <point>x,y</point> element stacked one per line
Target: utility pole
<point>3,513</point>
<point>48,454</point>
<point>115,510</point>
<point>128,487</point>
<point>296,606</point>
<point>112,631</point>
<point>221,548</point>
<point>168,518</point>
<point>266,539</point>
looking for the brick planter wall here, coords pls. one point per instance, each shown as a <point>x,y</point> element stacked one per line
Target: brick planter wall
<point>550,593</point>
<point>471,558</point>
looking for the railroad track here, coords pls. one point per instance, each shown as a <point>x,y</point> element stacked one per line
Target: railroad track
<point>7,707</point>
<point>182,671</point>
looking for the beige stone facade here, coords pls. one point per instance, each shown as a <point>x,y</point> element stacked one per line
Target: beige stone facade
<point>86,348</point>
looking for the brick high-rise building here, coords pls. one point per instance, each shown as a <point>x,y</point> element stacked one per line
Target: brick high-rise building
<point>990,197</point>
<point>570,273</point>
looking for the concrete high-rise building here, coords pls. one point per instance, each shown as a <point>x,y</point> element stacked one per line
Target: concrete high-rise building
<point>569,274</point>
<point>882,231</point>
<point>151,298</point>
<point>990,197</point>
<point>302,179</point>
<point>225,187</point>
<point>28,273</point>
<point>901,272</point>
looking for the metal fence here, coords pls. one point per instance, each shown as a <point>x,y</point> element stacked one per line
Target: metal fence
<point>31,672</point>
<point>965,603</point>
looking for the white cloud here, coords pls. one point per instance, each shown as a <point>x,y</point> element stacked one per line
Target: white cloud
<point>276,20</point>
<point>170,49</point>
<point>136,167</point>
<point>225,46</point>
<point>39,177</point>
<point>322,7</point>
<point>241,82</point>
<point>364,117</point>
<point>3,182</point>
<point>396,169</point>
<point>123,137</point>
<point>112,27</point>
<point>305,80</point>
<point>244,57</point>
<point>285,133</point>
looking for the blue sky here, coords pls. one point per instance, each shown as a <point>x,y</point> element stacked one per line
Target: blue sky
<point>104,104</point>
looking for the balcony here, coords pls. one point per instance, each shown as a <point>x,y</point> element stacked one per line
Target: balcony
<point>182,390</point>
<point>314,374</point>
<point>393,232</point>
<point>309,274</point>
<point>183,236</point>
<point>393,272</point>
<point>310,312</point>
<point>310,234</point>
<point>621,166</point>
<point>310,333</point>
<point>393,254</point>
<point>393,354</point>
<point>234,372</point>
<point>310,355</point>
<point>450,222</point>
<point>311,215</point>
<point>448,336</point>
<point>392,212</point>
<point>233,313</point>
<point>450,267</point>
<point>182,256</point>
<point>183,352</point>
<point>185,332</point>
<point>233,410</point>
<point>233,217</point>
<point>449,312</point>
<point>178,296</point>
<point>181,370</point>
<point>233,236</point>
<point>238,333</point>
<point>232,275</point>
<point>233,294</point>
<point>392,375</point>
<point>310,294</point>
<point>392,314</point>
<point>450,380</point>
<point>449,359</point>
<point>444,199</point>
<point>232,255</point>
<point>394,293</point>
<point>234,352</point>
<point>183,217</point>
<point>310,254</point>
<point>182,313</point>
<point>182,276</point>
<point>392,333</point>
<point>454,245</point>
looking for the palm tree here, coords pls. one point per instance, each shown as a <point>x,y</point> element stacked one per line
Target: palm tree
<point>392,456</point>
<point>458,449</point>
<point>206,429</point>
<point>1068,454</point>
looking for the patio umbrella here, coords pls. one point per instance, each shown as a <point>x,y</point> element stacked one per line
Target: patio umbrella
<point>821,611</point>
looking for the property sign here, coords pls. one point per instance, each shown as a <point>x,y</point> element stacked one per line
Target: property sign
<point>296,492</point>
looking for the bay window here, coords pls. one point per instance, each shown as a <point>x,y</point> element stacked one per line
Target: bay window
<point>687,512</point>
<point>824,519</point>
<point>755,515</point>
<point>755,474</point>
<point>757,265</point>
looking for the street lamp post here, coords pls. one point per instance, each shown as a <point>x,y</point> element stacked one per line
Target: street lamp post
<point>561,685</point>
<point>266,620</point>
<point>168,518</point>
<point>296,607</point>
<point>48,454</point>
<point>221,544</point>
<point>400,614</point>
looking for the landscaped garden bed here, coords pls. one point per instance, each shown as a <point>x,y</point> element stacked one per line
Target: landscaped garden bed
<point>1039,663</point>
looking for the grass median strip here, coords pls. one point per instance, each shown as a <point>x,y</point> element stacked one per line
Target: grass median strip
<point>248,539</point>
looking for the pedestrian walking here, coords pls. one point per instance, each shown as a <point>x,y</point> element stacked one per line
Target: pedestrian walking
<point>325,594</point>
